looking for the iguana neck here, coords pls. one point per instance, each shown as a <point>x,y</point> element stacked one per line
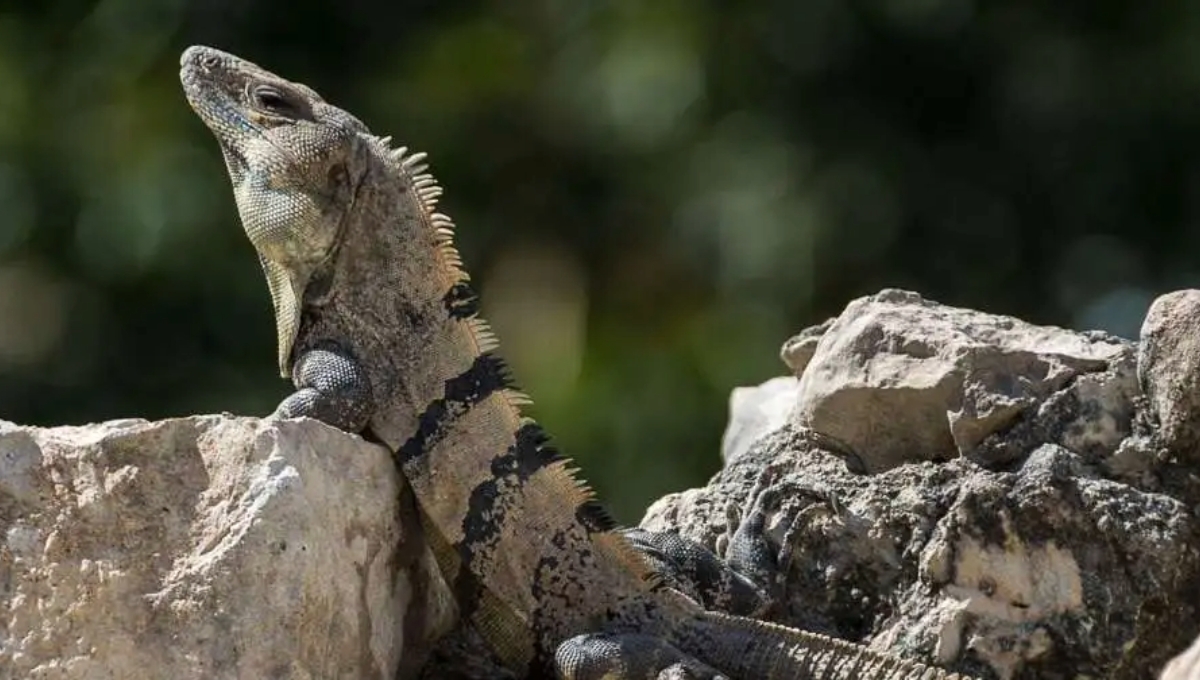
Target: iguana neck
<point>517,536</point>
<point>392,293</point>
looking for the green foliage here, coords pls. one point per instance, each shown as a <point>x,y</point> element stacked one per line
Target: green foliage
<point>652,196</point>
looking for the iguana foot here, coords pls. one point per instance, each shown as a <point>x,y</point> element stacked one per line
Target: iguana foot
<point>751,580</point>
<point>331,386</point>
<point>697,572</point>
<point>750,550</point>
<point>629,656</point>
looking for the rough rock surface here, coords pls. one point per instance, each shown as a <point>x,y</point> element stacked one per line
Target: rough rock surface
<point>206,547</point>
<point>973,490</point>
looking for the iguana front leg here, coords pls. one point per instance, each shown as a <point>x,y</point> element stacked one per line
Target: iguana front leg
<point>331,386</point>
<point>629,656</point>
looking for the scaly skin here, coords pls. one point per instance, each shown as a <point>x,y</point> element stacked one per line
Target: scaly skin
<point>377,328</point>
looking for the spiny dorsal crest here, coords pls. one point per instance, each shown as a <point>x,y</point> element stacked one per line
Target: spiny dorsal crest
<point>415,172</point>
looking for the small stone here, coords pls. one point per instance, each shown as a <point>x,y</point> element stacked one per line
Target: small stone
<point>799,349</point>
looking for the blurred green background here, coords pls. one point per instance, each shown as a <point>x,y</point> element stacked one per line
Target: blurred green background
<point>651,195</point>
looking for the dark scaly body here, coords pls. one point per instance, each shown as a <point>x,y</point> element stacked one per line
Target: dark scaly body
<point>378,329</point>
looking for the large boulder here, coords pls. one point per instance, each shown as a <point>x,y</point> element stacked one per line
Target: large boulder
<point>207,547</point>
<point>898,378</point>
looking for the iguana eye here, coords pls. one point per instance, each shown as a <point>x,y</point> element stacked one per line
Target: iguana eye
<point>271,99</point>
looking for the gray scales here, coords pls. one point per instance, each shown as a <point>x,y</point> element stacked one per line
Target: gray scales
<point>379,332</point>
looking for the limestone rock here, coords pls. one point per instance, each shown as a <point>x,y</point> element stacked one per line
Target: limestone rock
<point>997,574</point>
<point>206,547</point>
<point>897,378</point>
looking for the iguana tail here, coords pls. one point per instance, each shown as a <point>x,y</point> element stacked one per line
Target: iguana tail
<point>747,648</point>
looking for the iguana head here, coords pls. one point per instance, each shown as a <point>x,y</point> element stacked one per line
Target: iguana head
<point>291,158</point>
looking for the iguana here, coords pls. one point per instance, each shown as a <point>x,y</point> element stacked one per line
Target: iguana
<point>378,329</point>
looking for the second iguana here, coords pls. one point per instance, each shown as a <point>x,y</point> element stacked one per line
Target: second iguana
<point>378,329</point>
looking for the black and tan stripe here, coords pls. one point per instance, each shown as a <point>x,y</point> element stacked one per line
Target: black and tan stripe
<point>521,538</point>
<point>490,504</point>
<point>487,375</point>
